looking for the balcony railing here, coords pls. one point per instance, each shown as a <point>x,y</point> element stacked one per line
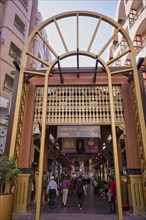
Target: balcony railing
<point>139,12</point>
<point>140,47</point>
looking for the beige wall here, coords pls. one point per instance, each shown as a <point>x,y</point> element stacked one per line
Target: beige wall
<point>10,33</point>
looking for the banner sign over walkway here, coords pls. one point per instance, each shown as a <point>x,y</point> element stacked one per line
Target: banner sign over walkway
<point>80,145</point>
<point>78,131</point>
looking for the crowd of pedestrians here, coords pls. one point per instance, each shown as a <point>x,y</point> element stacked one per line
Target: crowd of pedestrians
<point>60,192</point>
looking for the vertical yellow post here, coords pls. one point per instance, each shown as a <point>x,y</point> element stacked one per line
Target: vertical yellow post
<point>139,103</point>
<point>17,109</point>
<point>42,147</point>
<point>114,141</point>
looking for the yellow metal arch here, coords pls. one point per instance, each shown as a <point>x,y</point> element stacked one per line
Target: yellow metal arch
<point>37,32</point>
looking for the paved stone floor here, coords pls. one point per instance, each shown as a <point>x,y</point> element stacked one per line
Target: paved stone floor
<point>95,207</point>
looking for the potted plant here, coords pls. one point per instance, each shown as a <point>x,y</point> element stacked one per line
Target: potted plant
<point>8,174</point>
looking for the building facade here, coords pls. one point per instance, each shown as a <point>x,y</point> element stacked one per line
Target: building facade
<point>131,15</point>
<point>17,20</point>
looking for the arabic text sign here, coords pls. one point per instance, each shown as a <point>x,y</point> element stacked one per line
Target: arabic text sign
<point>78,131</point>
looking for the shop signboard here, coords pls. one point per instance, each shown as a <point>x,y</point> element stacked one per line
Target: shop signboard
<point>78,131</point>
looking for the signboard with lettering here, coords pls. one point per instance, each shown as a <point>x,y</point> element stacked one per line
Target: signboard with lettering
<point>68,145</point>
<point>68,142</point>
<point>75,155</point>
<point>91,145</point>
<point>80,145</point>
<point>78,131</point>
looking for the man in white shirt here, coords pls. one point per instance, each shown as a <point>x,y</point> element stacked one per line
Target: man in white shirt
<point>52,190</point>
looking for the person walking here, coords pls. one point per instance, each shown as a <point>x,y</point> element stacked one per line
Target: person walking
<point>81,191</point>
<point>44,186</point>
<point>105,189</point>
<point>33,190</point>
<point>65,187</point>
<point>52,190</point>
<point>112,195</point>
<point>95,185</point>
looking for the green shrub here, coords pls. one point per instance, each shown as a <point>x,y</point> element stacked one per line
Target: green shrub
<point>8,173</point>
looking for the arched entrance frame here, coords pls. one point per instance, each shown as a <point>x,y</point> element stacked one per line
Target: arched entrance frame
<point>133,69</point>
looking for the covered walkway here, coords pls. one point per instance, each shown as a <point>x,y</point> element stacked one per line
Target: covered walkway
<point>95,207</point>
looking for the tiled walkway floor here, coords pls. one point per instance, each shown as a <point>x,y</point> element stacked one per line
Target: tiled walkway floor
<point>94,208</point>
<point>75,216</point>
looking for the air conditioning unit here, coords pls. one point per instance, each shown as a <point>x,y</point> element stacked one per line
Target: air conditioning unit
<point>2,40</point>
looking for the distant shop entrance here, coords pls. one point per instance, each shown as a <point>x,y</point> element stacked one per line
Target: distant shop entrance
<point>78,116</point>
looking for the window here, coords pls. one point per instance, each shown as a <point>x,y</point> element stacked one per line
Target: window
<point>137,43</point>
<point>128,62</point>
<point>24,3</point>
<point>19,24</point>
<point>121,21</point>
<point>132,17</point>
<point>8,83</point>
<point>143,68</point>
<point>15,52</point>
<point>3,1</point>
<point>115,42</point>
<point>39,64</point>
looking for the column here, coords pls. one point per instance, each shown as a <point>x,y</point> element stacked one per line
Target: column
<point>22,193</point>
<point>134,177</point>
